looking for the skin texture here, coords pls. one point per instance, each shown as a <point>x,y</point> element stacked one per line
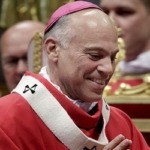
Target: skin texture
<point>88,60</point>
<point>133,17</point>
<point>84,67</point>
<point>14,47</point>
<point>119,143</point>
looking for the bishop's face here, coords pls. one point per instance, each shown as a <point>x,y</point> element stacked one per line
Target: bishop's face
<point>85,66</point>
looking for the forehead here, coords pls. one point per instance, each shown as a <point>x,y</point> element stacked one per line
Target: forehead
<point>15,43</point>
<point>93,24</point>
<point>91,19</point>
<point>122,3</point>
<point>95,33</point>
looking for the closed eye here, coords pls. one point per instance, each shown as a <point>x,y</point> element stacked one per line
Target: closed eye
<point>124,12</point>
<point>95,56</point>
<point>14,60</point>
<point>120,11</point>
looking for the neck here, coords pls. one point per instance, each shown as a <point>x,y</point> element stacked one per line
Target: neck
<point>86,106</point>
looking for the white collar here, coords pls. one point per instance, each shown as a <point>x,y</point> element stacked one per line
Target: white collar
<point>52,114</point>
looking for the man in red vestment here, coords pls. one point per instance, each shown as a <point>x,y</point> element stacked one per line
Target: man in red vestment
<point>62,107</point>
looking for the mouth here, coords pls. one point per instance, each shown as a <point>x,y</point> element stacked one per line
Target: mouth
<point>98,81</point>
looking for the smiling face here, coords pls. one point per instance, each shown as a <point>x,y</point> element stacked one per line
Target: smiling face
<point>85,66</point>
<point>134,19</point>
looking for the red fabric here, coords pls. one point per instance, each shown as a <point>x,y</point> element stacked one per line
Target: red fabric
<point>132,82</point>
<point>138,110</point>
<point>134,110</point>
<point>121,124</point>
<point>22,129</point>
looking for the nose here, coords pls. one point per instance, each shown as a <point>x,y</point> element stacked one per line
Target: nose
<point>21,66</point>
<point>111,15</point>
<point>106,67</point>
<point>114,18</point>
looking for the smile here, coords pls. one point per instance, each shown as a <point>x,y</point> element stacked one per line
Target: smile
<point>98,81</point>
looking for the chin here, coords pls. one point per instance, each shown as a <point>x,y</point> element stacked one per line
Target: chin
<point>94,98</point>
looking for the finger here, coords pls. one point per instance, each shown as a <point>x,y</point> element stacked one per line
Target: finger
<point>114,143</point>
<point>124,145</point>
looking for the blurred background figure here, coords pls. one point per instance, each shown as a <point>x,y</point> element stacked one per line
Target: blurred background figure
<point>133,17</point>
<point>12,12</point>
<point>13,48</point>
<point>130,83</point>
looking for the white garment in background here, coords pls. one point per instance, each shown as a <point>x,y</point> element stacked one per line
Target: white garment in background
<point>140,65</point>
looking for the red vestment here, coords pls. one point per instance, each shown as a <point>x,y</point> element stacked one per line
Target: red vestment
<point>136,110</point>
<point>22,129</point>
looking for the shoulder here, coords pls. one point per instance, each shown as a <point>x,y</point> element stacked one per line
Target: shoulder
<point>118,115</point>
<point>12,108</point>
<point>9,101</point>
<point>121,123</point>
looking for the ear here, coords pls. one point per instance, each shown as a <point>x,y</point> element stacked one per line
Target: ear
<point>51,47</point>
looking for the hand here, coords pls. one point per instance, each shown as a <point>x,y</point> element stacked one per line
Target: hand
<point>118,143</point>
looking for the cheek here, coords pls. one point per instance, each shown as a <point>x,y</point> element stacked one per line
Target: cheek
<point>9,73</point>
<point>85,65</point>
<point>128,24</point>
<point>136,30</point>
<point>10,78</point>
<point>130,30</point>
<point>128,27</point>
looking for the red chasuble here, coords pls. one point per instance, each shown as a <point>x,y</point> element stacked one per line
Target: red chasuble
<point>132,100</point>
<point>22,129</point>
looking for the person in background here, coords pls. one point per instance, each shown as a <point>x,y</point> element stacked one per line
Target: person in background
<point>13,49</point>
<point>132,74</point>
<point>63,107</point>
<point>133,18</point>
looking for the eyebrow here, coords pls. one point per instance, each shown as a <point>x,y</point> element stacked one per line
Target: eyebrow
<point>102,50</point>
<point>14,57</point>
<point>95,49</point>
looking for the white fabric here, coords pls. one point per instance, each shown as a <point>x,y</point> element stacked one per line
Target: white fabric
<point>139,65</point>
<point>56,118</point>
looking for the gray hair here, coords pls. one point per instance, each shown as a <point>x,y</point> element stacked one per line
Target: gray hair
<point>62,31</point>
